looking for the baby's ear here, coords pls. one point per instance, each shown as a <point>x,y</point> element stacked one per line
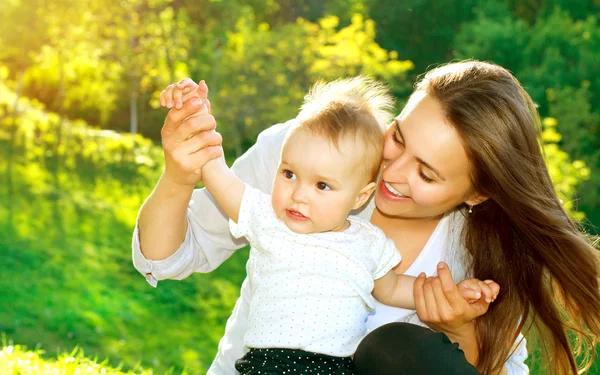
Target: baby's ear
<point>363,195</point>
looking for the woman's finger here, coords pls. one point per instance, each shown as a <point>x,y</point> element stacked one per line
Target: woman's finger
<point>193,125</point>
<point>448,286</point>
<point>420,305</point>
<point>194,162</point>
<point>199,141</point>
<point>201,157</point>
<point>431,304</point>
<point>175,117</point>
<point>444,310</point>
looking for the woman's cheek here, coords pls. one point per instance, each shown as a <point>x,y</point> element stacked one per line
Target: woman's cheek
<point>424,194</point>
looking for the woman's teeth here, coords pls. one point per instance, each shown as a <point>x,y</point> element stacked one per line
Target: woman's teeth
<point>393,191</point>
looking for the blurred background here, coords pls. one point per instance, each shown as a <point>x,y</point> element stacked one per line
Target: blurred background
<point>80,142</point>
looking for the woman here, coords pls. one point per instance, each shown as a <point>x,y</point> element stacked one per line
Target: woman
<point>463,181</point>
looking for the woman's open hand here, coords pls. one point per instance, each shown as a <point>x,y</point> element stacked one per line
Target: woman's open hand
<point>441,306</point>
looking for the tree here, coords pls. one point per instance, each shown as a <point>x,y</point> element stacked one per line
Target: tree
<point>556,58</point>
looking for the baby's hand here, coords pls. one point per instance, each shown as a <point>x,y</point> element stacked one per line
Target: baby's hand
<point>474,289</point>
<point>178,93</point>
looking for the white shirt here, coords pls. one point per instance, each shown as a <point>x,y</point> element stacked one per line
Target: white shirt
<point>208,243</point>
<point>309,291</point>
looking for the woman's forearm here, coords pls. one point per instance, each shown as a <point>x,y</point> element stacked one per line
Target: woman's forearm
<point>162,221</point>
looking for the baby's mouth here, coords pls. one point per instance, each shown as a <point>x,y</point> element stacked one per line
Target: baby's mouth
<point>295,215</point>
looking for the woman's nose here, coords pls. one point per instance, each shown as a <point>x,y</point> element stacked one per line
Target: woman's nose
<point>396,169</point>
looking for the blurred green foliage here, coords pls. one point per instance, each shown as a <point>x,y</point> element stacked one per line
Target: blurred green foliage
<point>69,191</point>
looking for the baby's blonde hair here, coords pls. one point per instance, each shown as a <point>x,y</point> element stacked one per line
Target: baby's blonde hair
<point>358,108</point>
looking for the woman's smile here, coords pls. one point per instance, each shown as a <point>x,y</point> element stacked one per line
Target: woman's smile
<point>389,193</point>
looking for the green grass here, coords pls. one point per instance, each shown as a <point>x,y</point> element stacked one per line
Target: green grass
<point>17,360</point>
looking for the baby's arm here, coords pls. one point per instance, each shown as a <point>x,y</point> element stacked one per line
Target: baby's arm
<point>397,290</point>
<point>225,187</point>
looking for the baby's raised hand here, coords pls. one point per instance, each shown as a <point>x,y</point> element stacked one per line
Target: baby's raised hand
<point>178,93</point>
<point>474,289</point>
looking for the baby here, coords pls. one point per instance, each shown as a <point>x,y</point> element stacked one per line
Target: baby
<point>313,269</point>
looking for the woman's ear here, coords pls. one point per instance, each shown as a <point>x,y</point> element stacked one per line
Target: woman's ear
<point>476,199</point>
<point>363,195</point>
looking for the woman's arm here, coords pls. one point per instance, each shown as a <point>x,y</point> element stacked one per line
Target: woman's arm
<point>207,242</point>
<point>440,305</point>
<point>188,144</point>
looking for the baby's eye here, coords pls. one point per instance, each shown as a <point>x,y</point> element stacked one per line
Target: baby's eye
<point>323,186</point>
<point>289,174</point>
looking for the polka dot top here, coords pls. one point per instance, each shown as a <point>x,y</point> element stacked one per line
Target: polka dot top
<point>309,291</point>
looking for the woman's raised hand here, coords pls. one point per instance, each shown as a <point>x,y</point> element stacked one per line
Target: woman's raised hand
<point>441,305</point>
<point>188,135</point>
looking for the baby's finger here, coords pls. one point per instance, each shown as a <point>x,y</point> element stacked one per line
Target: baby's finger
<point>486,291</point>
<point>169,96</point>
<point>192,94</point>
<point>202,86</point>
<point>494,286</point>
<point>469,293</point>
<point>186,85</point>
<point>177,98</point>
<point>163,96</point>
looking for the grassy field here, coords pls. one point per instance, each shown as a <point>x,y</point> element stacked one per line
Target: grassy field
<point>69,195</point>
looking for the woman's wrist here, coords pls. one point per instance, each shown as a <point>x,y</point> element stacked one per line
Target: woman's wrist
<point>466,338</point>
<point>462,333</point>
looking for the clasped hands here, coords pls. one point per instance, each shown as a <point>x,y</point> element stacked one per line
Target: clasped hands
<point>189,138</point>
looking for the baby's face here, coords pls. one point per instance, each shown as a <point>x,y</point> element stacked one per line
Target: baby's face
<point>316,185</point>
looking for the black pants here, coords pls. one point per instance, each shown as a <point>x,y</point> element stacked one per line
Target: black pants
<point>408,349</point>
<point>292,362</point>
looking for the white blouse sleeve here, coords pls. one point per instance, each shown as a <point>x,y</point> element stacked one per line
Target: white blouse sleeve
<point>208,242</point>
<point>516,362</point>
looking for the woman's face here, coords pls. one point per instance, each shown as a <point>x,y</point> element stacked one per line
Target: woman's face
<point>425,167</point>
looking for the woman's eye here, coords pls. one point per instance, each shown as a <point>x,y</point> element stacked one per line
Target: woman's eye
<point>289,175</point>
<point>397,140</point>
<point>323,186</point>
<point>425,178</point>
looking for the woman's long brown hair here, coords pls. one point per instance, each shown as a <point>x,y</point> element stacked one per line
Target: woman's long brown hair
<point>521,236</point>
